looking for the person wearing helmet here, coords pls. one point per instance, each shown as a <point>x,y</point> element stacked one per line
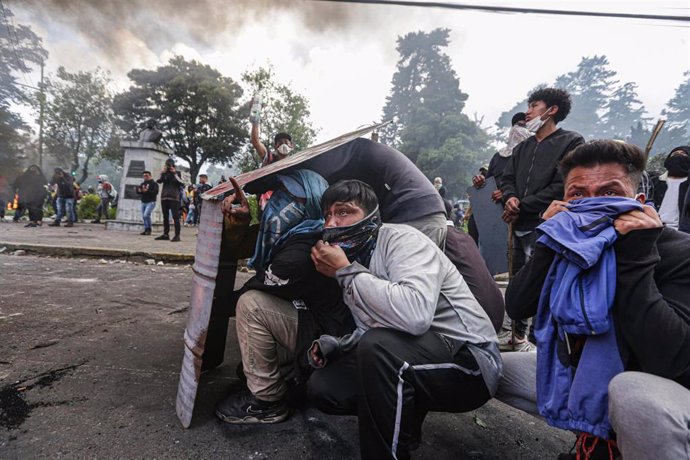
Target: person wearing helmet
<point>105,194</point>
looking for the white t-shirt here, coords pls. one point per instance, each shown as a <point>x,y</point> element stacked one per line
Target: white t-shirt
<point>668,211</point>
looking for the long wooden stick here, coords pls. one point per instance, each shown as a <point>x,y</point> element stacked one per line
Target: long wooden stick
<point>652,138</point>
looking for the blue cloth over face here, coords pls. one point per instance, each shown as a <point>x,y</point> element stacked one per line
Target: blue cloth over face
<point>285,216</point>
<point>576,300</point>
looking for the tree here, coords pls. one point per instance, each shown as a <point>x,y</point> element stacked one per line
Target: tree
<point>425,105</point>
<point>624,112</point>
<point>78,117</point>
<point>19,48</point>
<point>282,110</point>
<point>195,106</point>
<point>677,129</point>
<point>589,87</point>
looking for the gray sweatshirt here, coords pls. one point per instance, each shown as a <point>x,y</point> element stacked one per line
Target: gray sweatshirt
<point>413,287</point>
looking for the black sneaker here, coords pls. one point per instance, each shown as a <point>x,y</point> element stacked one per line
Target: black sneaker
<point>175,238</point>
<point>244,409</point>
<point>162,237</point>
<point>145,232</point>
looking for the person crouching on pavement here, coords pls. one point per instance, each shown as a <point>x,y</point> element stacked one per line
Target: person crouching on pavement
<point>286,305</point>
<point>426,343</point>
<point>609,285</point>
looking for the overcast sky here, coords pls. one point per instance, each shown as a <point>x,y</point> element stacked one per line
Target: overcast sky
<point>342,56</point>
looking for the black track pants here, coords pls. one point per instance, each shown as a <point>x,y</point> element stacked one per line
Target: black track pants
<point>392,380</point>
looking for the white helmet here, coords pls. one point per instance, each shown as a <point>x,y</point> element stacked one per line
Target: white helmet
<point>102,178</point>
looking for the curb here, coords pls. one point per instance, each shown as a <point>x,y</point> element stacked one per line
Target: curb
<point>75,251</point>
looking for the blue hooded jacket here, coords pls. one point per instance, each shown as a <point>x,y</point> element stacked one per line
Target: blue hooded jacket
<point>576,300</point>
<point>285,216</point>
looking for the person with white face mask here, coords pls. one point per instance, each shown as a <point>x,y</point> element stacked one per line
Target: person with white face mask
<point>531,180</point>
<point>282,144</point>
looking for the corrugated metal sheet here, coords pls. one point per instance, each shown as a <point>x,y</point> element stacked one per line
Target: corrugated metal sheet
<point>311,152</point>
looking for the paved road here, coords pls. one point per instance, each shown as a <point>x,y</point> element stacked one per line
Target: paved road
<point>89,362</point>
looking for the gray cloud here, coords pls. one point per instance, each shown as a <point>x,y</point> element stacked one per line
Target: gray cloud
<point>159,23</point>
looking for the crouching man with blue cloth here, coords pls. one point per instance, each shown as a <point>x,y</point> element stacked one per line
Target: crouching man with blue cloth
<point>610,286</point>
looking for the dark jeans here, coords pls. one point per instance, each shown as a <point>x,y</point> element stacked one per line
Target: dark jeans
<point>523,248</point>
<point>102,208</point>
<point>167,207</point>
<point>391,380</point>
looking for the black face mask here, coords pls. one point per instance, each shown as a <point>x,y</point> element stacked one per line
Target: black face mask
<point>678,166</point>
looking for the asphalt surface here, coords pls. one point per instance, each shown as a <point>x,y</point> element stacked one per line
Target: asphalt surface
<point>89,364</point>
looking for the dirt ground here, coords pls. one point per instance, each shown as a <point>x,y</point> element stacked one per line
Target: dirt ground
<point>89,362</point>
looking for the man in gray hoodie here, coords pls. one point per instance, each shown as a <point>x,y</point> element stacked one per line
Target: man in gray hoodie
<point>424,342</point>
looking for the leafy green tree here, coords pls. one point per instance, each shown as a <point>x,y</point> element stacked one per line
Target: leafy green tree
<point>282,110</point>
<point>196,107</point>
<point>425,106</point>
<point>78,117</point>
<point>19,48</point>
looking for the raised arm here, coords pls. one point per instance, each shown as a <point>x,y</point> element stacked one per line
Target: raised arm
<point>256,142</point>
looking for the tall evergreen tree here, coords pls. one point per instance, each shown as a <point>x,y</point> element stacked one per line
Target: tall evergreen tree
<point>589,86</point>
<point>624,111</point>
<point>426,106</point>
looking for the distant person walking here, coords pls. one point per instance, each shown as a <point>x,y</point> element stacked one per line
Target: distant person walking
<point>105,194</point>
<point>31,189</point>
<point>65,197</point>
<point>202,187</point>
<point>149,192</point>
<point>170,199</point>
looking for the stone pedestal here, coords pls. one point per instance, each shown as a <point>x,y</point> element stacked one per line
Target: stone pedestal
<point>139,157</point>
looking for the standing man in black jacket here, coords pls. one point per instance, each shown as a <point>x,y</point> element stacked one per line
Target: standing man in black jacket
<point>170,199</point>
<point>531,181</point>
<point>65,197</point>
<point>149,192</point>
<point>649,403</point>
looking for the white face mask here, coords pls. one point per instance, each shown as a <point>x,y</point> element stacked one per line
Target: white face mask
<point>535,123</point>
<point>284,149</point>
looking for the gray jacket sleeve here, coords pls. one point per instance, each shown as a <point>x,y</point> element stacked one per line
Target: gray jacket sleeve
<point>405,299</point>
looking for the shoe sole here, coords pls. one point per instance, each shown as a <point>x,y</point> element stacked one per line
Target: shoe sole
<point>251,420</point>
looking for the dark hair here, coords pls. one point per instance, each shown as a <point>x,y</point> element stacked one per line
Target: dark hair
<point>203,175</point>
<point>280,136</point>
<point>553,96</point>
<point>604,151</point>
<point>146,172</point>
<point>350,190</point>
<point>520,116</point>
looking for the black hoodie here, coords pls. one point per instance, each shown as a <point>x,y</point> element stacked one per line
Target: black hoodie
<point>531,174</point>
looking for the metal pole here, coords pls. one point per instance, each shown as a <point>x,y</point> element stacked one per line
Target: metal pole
<point>42,98</point>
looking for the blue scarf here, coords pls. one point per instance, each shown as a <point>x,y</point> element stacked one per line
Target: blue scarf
<point>285,216</point>
<point>575,308</point>
<point>358,240</point>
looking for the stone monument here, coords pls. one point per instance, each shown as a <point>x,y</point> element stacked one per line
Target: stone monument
<point>140,156</point>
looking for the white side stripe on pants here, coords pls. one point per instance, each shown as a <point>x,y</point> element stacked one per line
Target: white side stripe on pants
<point>398,406</point>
